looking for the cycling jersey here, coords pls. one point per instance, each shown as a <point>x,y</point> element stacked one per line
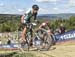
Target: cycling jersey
<point>28,15</point>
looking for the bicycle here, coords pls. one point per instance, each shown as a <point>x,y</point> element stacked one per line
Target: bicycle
<point>40,38</point>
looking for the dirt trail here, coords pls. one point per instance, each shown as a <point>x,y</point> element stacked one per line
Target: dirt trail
<point>60,51</point>
<point>64,49</point>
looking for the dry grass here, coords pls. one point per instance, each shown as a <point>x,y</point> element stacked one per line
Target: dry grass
<point>63,49</point>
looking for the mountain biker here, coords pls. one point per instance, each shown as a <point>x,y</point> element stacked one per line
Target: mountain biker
<point>26,18</point>
<point>46,25</point>
<point>49,30</point>
<point>62,29</point>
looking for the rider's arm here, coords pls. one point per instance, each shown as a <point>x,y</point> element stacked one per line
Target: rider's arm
<point>40,26</point>
<point>35,15</point>
<point>22,18</point>
<point>43,24</point>
<point>48,25</point>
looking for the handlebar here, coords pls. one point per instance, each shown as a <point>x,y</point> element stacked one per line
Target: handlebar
<point>30,25</point>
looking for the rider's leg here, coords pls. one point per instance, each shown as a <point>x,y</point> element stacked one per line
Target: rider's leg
<point>24,34</point>
<point>31,41</point>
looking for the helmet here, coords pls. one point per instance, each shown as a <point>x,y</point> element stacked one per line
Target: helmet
<point>35,7</point>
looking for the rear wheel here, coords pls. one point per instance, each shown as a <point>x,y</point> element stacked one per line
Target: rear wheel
<point>44,41</point>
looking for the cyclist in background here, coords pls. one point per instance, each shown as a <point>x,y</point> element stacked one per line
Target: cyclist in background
<point>46,26</point>
<point>62,29</point>
<point>49,30</point>
<point>26,18</point>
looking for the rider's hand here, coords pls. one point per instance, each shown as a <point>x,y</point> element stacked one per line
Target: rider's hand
<point>22,19</point>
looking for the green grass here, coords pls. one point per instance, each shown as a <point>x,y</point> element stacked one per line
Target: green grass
<point>15,54</point>
<point>24,55</point>
<point>7,53</point>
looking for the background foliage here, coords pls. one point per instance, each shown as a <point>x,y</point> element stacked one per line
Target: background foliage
<point>12,23</point>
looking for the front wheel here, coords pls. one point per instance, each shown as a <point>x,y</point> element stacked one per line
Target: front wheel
<point>43,40</point>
